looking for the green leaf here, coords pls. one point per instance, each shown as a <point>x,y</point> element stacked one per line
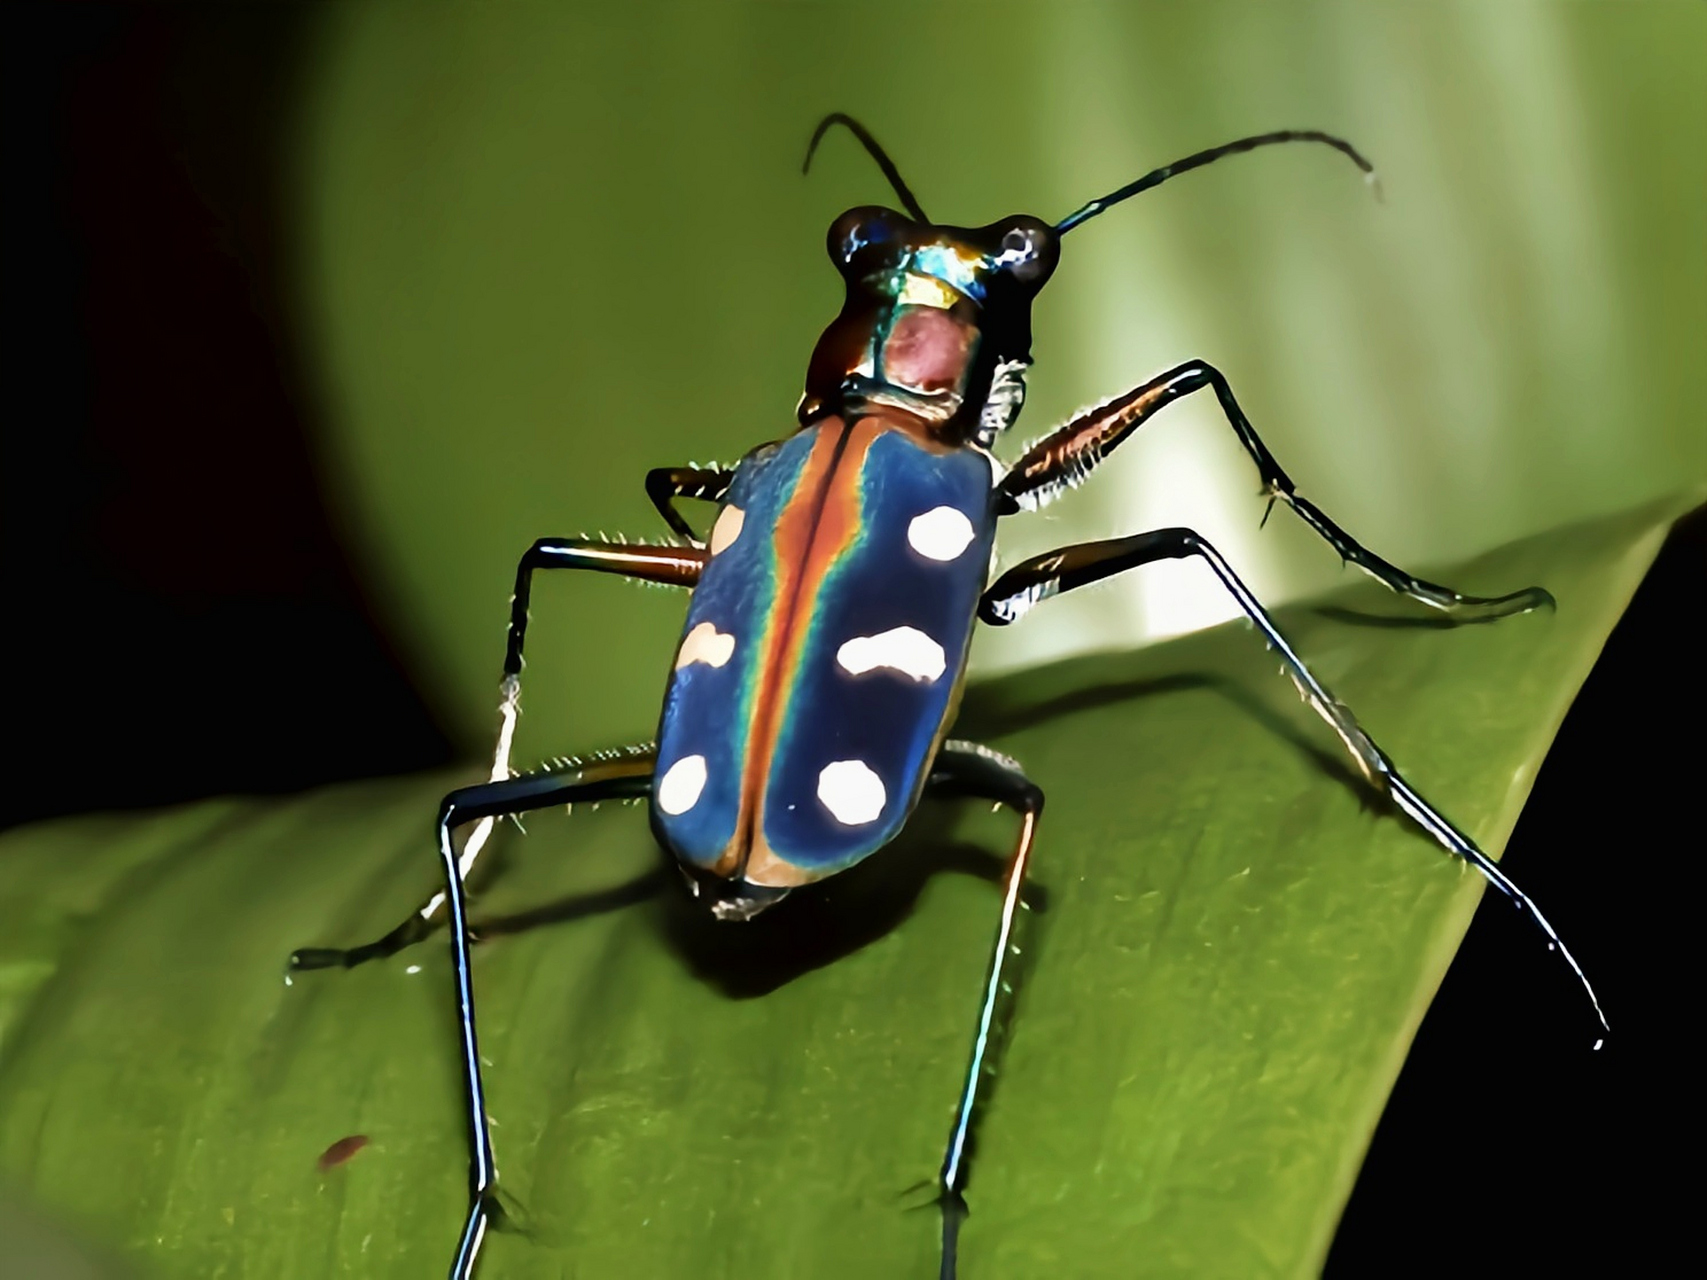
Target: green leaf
<point>1232,952</point>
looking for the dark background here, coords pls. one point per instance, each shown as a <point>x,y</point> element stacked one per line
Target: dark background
<point>185,621</point>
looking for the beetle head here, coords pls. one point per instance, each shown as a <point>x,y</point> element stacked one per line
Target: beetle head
<point>930,315</point>
<point>937,321</point>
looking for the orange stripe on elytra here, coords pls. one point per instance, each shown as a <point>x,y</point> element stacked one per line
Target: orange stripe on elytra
<point>819,523</point>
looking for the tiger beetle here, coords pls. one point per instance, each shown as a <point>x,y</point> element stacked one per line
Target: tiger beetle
<point>825,647</point>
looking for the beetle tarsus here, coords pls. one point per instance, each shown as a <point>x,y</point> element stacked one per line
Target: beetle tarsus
<point>954,1211</point>
<point>413,930</point>
<point>1470,609</point>
<point>484,1213</point>
<point>1087,562</point>
<point>304,958</point>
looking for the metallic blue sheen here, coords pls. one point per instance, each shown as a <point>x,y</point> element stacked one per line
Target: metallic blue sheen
<point>945,264</point>
<point>884,718</point>
<point>707,709</point>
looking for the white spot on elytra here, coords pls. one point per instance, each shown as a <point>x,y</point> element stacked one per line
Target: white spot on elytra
<point>727,528</point>
<point>942,533</point>
<point>852,793</point>
<point>705,643</point>
<point>679,788</point>
<point>904,649</point>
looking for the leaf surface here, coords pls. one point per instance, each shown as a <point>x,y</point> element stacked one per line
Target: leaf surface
<point>1231,950</point>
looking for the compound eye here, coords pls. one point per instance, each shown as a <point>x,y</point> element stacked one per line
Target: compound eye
<point>860,229</point>
<point>1028,252</point>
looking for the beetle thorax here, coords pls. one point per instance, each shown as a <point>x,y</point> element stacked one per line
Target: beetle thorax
<point>905,340</point>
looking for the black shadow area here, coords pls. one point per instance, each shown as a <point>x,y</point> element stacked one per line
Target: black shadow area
<point>808,929</point>
<point>1509,1147</point>
<point>819,924</point>
<point>181,618</point>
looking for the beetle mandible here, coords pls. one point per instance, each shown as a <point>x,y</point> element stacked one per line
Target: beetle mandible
<point>832,609</point>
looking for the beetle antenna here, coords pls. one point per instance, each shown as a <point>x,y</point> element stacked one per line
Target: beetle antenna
<point>908,201</point>
<point>1156,177</point>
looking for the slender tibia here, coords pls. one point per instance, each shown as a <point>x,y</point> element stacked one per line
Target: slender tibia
<point>1048,575</point>
<point>621,777</point>
<point>672,566</point>
<point>965,768</point>
<point>1065,457</point>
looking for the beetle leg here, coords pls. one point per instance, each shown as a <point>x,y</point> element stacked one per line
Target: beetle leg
<point>1065,457</point>
<point>674,566</point>
<point>665,484</point>
<point>622,777</point>
<point>1047,575</point>
<point>425,919</point>
<point>966,768</point>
